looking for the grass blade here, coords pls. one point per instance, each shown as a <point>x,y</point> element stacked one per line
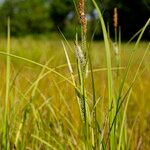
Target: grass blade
<point>6,129</point>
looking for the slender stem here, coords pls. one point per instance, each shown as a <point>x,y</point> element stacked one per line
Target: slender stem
<point>5,137</point>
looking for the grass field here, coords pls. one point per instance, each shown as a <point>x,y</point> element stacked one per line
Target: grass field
<point>43,111</point>
<point>57,94</point>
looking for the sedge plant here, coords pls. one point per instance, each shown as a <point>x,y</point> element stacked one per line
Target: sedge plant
<point>50,127</point>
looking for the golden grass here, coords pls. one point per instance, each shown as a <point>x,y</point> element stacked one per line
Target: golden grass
<point>54,113</point>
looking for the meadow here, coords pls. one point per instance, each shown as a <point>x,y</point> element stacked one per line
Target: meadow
<point>75,95</point>
<point>43,109</point>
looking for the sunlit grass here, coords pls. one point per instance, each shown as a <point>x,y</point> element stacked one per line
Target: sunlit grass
<point>59,94</point>
<point>61,97</point>
<point>53,117</point>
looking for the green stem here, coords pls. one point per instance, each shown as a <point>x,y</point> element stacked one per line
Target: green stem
<point>6,132</point>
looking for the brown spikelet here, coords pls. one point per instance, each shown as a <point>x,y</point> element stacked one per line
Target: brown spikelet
<point>115,18</point>
<point>82,16</point>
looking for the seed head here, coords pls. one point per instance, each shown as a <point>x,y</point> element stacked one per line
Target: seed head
<point>115,48</point>
<point>79,54</point>
<point>82,60</point>
<point>115,18</point>
<point>82,17</point>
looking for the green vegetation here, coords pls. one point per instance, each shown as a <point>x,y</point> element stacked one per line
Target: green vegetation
<point>43,110</point>
<point>56,94</point>
<point>46,16</point>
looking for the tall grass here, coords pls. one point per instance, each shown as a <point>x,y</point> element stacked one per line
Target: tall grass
<point>5,142</point>
<point>47,107</point>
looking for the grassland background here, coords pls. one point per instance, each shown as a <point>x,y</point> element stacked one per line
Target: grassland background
<point>55,97</point>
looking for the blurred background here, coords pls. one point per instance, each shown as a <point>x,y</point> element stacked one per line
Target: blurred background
<point>47,17</point>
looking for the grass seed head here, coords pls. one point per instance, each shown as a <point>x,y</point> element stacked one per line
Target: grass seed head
<point>81,57</point>
<point>115,18</point>
<point>115,48</point>
<point>82,17</point>
<point>79,54</point>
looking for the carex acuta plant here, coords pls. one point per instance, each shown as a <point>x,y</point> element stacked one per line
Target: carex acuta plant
<point>80,52</point>
<point>82,68</point>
